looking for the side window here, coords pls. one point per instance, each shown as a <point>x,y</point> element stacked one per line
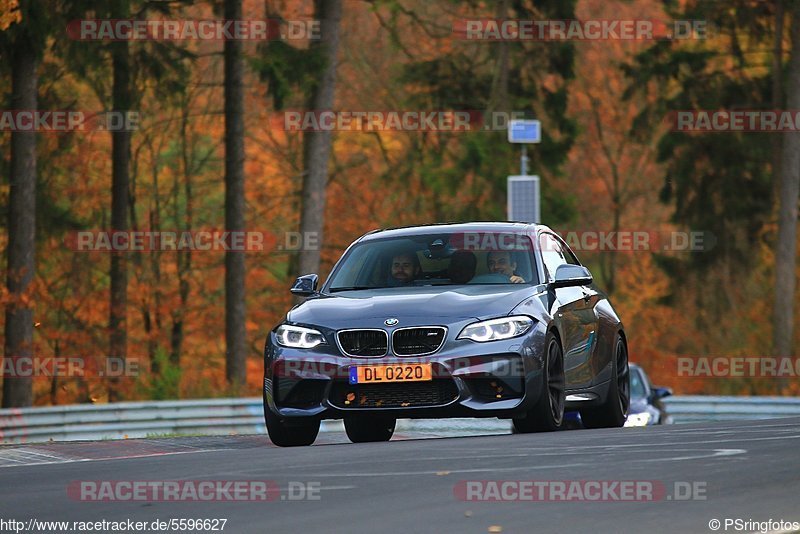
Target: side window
<point>551,254</point>
<point>569,256</point>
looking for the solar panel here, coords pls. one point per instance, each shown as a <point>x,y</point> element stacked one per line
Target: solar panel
<point>523,199</point>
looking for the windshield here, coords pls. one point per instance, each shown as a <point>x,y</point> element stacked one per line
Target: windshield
<point>638,390</point>
<point>437,259</point>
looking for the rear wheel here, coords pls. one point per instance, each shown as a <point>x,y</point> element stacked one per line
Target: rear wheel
<point>294,435</point>
<point>548,414</point>
<point>614,411</point>
<point>366,429</point>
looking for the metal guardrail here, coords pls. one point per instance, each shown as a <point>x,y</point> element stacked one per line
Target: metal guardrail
<point>245,416</point>
<point>697,408</point>
<point>132,419</point>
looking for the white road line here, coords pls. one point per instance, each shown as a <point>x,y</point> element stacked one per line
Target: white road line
<point>130,457</point>
<point>323,488</point>
<point>716,454</point>
<point>650,451</point>
<point>650,445</point>
<point>754,427</point>
<point>434,472</point>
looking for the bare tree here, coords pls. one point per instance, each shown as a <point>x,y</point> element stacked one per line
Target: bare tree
<point>235,351</point>
<point>789,188</point>
<point>318,144</point>
<point>777,89</point>
<point>18,391</point>
<point>120,182</point>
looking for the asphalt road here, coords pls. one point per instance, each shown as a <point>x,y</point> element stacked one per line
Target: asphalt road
<point>743,470</point>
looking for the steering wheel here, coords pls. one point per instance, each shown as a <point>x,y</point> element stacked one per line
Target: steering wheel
<point>490,278</point>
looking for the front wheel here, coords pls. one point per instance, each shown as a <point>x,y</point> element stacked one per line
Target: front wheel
<point>614,411</point>
<point>548,414</point>
<point>368,429</point>
<point>285,435</point>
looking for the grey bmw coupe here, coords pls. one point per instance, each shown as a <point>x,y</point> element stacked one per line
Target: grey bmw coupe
<point>447,320</point>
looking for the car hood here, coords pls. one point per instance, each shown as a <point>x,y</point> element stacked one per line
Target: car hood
<point>455,302</point>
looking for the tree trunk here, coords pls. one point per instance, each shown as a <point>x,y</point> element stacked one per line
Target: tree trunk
<point>17,392</point>
<point>498,99</point>
<point>184,258</point>
<point>235,352</point>
<point>786,247</point>
<point>318,144</point>
<point>777,91</point>
<point>120,178</point>
<point>777,103</point>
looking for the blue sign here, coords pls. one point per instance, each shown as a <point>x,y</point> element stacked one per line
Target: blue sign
<point>524,131</point>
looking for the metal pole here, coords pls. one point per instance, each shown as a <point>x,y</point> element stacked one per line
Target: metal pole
<point>523,161</point>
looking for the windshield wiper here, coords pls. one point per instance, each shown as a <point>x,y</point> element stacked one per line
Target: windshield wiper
<point>350,288</point>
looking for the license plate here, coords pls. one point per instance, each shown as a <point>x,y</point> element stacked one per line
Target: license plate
<point>401,372</point>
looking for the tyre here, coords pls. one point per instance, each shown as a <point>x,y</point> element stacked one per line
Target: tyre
<point>284,435</point>
<point>548,413</point>
<point>366,429</point>
<point>614,411</point>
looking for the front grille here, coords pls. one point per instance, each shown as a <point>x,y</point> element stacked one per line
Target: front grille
<point>363,342</point>
<point>393,395</point>
<point>418,341</point>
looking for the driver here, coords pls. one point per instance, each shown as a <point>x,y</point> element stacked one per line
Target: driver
<point>404,269</point>
<point>502,262</point>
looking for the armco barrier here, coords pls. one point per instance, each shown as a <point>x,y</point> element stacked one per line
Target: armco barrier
<point>131,419</point>
<point>697,408</point>
<point>245,416</point>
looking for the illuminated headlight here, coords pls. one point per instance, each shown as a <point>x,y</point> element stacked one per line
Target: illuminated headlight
<point>638,419</point>
<point>298,337</point>
<point>496,329</point>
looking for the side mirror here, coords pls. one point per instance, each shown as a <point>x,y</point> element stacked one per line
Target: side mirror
<point>660,393</point>
<point>305,285</point>
<point>572,275</point>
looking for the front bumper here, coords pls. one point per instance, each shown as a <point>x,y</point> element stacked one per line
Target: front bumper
<point>493,379</point>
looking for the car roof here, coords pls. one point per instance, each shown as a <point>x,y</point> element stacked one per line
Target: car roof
<point>450,228</point>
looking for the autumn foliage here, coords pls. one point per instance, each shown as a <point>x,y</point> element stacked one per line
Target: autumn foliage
<point>608,179</point>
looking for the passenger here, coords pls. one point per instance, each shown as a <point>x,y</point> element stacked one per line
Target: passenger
<point>462,267</point>
<point>502,262</point>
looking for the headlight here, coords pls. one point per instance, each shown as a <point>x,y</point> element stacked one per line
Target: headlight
<point>298,337</point>
<point>495,329</point>
<point>638,419</point>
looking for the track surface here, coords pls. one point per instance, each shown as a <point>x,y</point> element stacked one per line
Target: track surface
<point>750,469</point>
